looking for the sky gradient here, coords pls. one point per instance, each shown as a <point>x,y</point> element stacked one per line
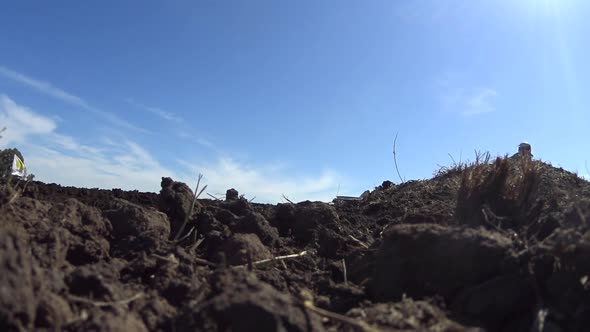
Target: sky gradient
<point>294,98</point>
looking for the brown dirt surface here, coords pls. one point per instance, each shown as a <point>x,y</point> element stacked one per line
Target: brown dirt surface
<point>498,245</point>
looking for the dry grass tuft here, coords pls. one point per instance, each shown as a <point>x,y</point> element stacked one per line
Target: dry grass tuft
<point>502,194</point>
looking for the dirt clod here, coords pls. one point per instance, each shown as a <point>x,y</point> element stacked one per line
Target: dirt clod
<point>241,302</point>
<point>175,200</point>
<point>244,248</point>
<point>129,219</point>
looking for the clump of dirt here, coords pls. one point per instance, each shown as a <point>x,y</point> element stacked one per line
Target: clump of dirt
<point>175,200</point>
<point>497,245</point>
<point>241,249</point>
<point>428,259</point>
<point>238,301</point>
<point>17,291</point>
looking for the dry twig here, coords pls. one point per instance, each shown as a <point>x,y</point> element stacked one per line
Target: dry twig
<point>190,211</point>
<point>197,244</point>
<point>287,199</point>
<point>395,159</point>
<point>187,235</point>
<point>215,198</point>
<point>344,271</point>
<point>364,245</point>
<point>204,262</point>
<point>105,304</point>
<point>170,258</point>
<point>278,258</point>
<point>338,317</point>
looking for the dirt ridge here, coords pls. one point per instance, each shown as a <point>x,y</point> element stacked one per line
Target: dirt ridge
<point>501,245</point>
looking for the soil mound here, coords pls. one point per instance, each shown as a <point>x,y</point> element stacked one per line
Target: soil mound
<point>498,245</point>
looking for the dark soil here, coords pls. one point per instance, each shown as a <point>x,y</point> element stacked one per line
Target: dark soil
<point>502,246</point>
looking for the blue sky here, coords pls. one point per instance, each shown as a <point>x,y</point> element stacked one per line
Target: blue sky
<point>301,98</point>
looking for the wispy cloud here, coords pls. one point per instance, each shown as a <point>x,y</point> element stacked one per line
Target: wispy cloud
<point>185,134</point>
<point>55,157</point>
<point>49,89</point>
<point>456,97</point>
<point>44,87</point>
<point>21,122</point>
<point>169,116</point>
<point>181,128</point>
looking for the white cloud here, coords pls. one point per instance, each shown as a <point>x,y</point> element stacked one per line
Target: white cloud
<point>54,157</point>
<point>21,122</point>
<point>457,98</point>
<point>138,169</point>
<point>96,171</point>
<point>268,184</point>
<point>49,89</point>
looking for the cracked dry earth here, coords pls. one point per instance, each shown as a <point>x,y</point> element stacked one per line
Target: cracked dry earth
<point>419,256</point>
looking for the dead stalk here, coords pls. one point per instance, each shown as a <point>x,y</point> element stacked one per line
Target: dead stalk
<point>197,244</point>
<point>204,262</point>
<point>359,242</point>
<point>395,159</point>
<point>284,265</point>
<point>338,317</point>
<point>215,198</point>
<point>170,258</point>
<point>277,258</point>
<point>105,304</point>
<point>344,271</point>
<point>287,199</point>
<point>188,215</point>
<point>186,236</point>
<point>250,263</point>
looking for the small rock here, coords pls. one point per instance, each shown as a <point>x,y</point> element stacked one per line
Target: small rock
<point>231,194</point>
